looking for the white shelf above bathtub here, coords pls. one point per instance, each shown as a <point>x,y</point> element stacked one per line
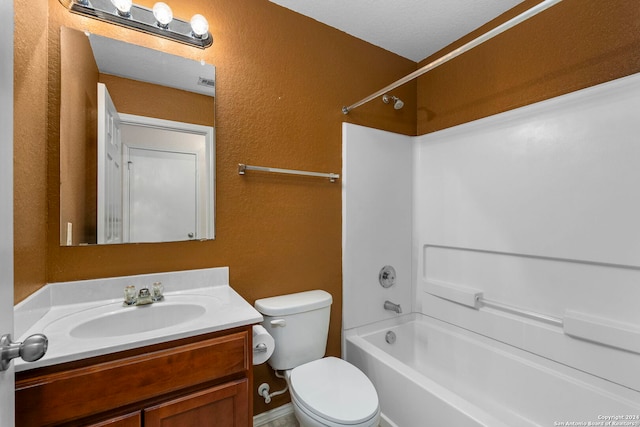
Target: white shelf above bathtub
<point>603,331</point>
<point>573,323</point>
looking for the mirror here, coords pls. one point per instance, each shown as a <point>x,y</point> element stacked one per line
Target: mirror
<point>137,143</point>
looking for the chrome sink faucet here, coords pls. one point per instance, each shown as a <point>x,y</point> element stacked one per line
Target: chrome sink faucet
<point>144,295</point>
<point>388,305</point>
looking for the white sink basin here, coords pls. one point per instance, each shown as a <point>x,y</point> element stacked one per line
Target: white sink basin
<point>133,320</point>
<point>86,318</point>
<point>114,320</point>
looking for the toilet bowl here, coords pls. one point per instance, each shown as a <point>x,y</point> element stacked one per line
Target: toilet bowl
<point>325,391</point>
<point>331,392</point>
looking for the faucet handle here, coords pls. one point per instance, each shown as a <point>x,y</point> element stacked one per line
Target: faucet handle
<point>157,291</point>
<point>129,295</point>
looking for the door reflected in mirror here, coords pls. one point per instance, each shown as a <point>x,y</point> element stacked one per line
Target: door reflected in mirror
<point>137,143</point>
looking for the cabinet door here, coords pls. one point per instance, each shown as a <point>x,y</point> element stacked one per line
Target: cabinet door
<point>226,405</point>
<point>55,398</point>
<point>129,420</point>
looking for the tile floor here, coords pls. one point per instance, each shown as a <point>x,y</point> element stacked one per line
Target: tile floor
<point>288,420</point>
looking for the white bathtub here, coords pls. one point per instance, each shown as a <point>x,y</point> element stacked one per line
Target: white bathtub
<point>438,375</point>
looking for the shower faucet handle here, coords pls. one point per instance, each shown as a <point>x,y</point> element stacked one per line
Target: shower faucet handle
<point>387,276</point>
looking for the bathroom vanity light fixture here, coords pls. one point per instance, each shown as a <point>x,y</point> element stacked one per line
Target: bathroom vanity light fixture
<point>158,21</point>
<point>123,7</point>
<point>163,14</point>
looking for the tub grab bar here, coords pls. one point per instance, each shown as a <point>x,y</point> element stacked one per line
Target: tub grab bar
<point>556,321</point>
<point>474,298</point>
<point>574,324</point>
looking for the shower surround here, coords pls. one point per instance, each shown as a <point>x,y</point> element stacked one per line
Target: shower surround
<point>516,248</point>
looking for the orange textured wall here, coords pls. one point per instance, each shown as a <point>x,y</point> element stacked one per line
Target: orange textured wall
<point>146,99</point>
<point>573,45</point>
<point>30,148</point>
<point>78,133</point>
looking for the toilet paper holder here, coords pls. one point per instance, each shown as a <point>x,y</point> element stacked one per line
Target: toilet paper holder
<point>260,348</point>
<point>263,345</point>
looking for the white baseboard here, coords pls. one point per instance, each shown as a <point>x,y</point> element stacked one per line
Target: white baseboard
<point>274,414</point>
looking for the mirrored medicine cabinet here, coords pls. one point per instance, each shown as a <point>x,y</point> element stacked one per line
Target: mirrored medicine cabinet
<point>137,143</point>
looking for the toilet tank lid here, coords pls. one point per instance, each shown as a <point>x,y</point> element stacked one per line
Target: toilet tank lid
<point>293,303</point>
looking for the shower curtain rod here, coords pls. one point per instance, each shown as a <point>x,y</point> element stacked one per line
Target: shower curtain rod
<point>459,51</point>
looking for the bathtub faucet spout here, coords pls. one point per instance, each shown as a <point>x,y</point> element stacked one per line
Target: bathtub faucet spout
<point>388,305</point>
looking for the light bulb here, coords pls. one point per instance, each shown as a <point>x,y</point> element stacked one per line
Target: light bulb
<point>163,14</point>
<point>200,26</point>
<point>123,7</point>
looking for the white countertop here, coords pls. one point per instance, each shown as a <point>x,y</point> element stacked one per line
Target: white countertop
<point>57,308</point>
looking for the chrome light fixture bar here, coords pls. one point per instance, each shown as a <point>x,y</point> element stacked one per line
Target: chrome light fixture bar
<point>161,23</point>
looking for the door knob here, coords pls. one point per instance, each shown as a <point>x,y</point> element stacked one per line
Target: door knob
<point>31,349</point>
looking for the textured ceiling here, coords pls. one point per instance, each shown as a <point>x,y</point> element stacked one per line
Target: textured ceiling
<point>414,29</point>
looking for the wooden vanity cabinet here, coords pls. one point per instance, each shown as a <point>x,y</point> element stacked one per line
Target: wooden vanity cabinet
<point>214,406</point>
<point>127,420</point>
<point>198,381</point>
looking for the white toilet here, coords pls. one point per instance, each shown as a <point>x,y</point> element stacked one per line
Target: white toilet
<point>325,391</point>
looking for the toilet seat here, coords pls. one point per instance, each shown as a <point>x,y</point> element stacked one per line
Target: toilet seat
<point>334,390</point>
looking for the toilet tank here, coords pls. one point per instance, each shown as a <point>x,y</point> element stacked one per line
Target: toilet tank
<point>299,325</point>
